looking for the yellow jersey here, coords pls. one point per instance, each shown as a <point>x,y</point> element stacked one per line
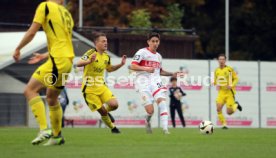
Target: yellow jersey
<point>58,25</point>
<point>93,73</point>
<point>224,77</point>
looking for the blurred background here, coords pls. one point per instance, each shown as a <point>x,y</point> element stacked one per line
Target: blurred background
<point>251,22</point>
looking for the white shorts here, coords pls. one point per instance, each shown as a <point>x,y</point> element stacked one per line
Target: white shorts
<point>150,92</point>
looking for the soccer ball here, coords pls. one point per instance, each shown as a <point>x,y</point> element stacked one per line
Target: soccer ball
<point>206,127</point>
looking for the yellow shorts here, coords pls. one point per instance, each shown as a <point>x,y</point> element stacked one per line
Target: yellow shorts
<point>52,74</point>
<point>227,98</point>
<point>96,101</point>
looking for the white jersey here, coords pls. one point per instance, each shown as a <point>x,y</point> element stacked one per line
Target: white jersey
<point>144,57</point>
<point>145,81</point>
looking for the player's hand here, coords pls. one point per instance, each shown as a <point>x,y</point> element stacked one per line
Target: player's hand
<point>93,58</point>
<point>35,58</point>
<point>150,69</point>
<point>123,62</point>
<point>16,55</point>
<point>178,74</point>
<point>229,87</point>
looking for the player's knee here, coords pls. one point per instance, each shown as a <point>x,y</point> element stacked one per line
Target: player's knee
<point>26,91</point>
<point>150,111</point>
<point>51,100</point>
<point>229,111</point>
<point>113,104</point>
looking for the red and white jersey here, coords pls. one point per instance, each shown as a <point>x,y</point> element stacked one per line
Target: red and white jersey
<point>144,57</point>
<point>150,83</point>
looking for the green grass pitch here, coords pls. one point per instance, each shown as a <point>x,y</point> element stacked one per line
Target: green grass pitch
<point>135,143</point>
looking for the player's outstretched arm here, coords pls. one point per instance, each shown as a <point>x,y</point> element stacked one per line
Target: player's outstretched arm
<point>86,60</point>
<point>28,37</point>
<point>37,57</point>
<point>118,66</point>
<point>166,73</point>
<point>136,67</point>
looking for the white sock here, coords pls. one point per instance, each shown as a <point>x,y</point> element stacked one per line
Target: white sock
<point>163,114</point>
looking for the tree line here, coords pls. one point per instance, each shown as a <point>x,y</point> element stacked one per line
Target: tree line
<point>252,22</point>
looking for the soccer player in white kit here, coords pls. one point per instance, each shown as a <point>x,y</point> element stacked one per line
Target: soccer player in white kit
<point>147,63</point>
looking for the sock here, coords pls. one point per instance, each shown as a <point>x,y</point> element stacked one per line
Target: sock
<point>56,118</point>
<point>148,117</point>
<point>234,107</point>
<point>163,114</point>
<point>221,119</point>
<point>38,109</point>
<point>108,122</point>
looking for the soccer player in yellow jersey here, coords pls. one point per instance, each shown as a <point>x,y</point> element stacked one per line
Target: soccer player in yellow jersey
<point>226,80</point>
<point>57,24</point>
<point>95,91</point>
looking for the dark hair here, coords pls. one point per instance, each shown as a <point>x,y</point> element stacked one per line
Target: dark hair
<point>96,35</point>
<point>222,55</point>
<point>153,34</point>
<point>173,79</point>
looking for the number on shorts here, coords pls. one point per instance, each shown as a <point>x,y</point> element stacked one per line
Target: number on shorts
<point>159,85</point>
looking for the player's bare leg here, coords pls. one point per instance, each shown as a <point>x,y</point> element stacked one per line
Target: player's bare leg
<point>221,117</point>
<point>112,105</point>
<point>55,111</point>
<point>234,108</point>
<point>150,110</point>
<point>229,111</point>
<point>163,114</point>
<point>32,89</point>
<point>31,92</point>
<point>106,119</point>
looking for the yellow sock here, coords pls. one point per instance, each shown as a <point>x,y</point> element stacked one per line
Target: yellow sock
<point>221,119</point>
<point>56,118</point>
<point>108,122</point>
<point>38,109</point>
<point>234,107</point>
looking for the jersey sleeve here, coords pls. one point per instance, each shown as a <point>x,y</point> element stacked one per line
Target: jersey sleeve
<point>138,57</point>
<point>40,13</point>
<point>87,55</point>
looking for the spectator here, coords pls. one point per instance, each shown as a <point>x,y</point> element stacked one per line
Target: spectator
<point>175,96</point>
